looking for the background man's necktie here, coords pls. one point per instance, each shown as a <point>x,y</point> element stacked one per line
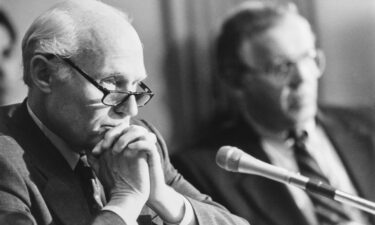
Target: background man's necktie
<point>327,211</point>
<point>89,184</point>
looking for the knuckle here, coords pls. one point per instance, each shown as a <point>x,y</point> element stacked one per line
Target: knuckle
<point>153,137</point>
<point>138,128</point>
<point>107,135</point>
<point>133,127</point>
<point>122,142</point>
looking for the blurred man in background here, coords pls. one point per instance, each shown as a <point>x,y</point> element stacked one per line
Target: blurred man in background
<point>72,152</point>
<point>267,57</point>
<point>7,45</point>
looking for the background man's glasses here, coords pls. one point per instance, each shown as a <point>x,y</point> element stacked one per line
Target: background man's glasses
<point>285,70</point>
<point>110,97</point>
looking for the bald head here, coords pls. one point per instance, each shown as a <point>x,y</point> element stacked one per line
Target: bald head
<point>74,29</point>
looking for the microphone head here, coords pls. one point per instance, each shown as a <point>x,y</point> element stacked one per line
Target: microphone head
<point>235,160</point>
<point>228,158</point>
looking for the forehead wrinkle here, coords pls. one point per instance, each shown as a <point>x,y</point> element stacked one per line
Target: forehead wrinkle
<point>101,39</point>
<point>96,42</point>
<point>98,24</point>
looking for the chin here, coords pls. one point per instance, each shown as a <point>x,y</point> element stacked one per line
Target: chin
<point>90,140</point>
<point>302,116</point>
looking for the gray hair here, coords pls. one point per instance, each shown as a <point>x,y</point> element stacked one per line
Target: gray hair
<point>244,22</point>
<point>57,31</point>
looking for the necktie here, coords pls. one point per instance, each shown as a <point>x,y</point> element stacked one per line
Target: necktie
<point>89,184</point>
<point>328,212</point>
<point>145,220</point>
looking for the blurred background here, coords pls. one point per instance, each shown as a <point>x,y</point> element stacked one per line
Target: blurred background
<point>178,38</point>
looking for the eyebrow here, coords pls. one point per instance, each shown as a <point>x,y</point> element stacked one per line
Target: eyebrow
<point>122,76</point>
<point>283,58</point>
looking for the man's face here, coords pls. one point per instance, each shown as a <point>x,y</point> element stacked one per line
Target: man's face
<point>274,102</point>
<point>74,108</point>
<point>5,64</point>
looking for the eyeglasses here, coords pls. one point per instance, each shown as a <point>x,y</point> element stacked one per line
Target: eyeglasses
<point>110,97</point>
<point>284,71</point>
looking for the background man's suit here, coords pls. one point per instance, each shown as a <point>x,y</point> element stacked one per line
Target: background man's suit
<point>265,202</point>
<point>36,182</point>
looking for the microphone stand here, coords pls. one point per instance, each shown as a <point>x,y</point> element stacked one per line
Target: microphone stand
<point>320,188</point>
<point>235,160</point>
<point>355,201</point>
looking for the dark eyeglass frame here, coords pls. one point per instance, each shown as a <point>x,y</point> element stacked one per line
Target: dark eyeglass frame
<point>105,91</point>
<point>283,70</point>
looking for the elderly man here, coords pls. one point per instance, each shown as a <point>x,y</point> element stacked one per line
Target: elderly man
<point>83,63</point>
<point>7,43</point>
<point>268,58</point>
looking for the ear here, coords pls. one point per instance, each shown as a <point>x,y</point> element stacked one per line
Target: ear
<point>40,73</point>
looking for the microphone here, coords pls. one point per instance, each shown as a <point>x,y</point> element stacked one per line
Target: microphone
<point>235,160</point>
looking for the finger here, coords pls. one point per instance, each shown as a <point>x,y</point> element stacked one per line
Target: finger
<point>98,149</point>
<point>133,134</point>
<point>153,158</point>
<point>143,146</point>
<point>111,135</point>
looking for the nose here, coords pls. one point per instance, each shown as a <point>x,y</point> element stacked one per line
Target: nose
<point>128,107</point>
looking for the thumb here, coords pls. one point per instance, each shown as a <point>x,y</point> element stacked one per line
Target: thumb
<point>97,150</point>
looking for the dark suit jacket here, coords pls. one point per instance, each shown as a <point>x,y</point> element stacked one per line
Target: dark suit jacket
<point>266,202</point>
<point>36,183</point>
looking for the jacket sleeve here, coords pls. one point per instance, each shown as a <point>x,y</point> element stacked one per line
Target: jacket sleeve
<point>18,204</point>
<point>206,210</point>
<point>14,200</point>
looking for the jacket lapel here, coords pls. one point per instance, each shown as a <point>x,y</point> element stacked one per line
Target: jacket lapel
<point>66,202</point>
<point>354,144</point>
<point>272,198</point>
<point>60,189</point>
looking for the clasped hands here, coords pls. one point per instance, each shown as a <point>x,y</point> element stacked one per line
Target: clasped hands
<point>127,163</point>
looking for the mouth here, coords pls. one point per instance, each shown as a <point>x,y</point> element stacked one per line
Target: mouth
<point>111,125</point>
<point>104,128</point>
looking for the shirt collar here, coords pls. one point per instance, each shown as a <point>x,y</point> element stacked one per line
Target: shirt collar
<point>309,126</point>
<point>70,156</point>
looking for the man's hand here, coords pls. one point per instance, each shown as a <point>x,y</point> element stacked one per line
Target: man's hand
<point>120,161</point>
<point>128,164</point>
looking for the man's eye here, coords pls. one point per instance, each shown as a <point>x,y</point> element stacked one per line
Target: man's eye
<point>114,83</point>
<point>109,85</point>
<point>284,67</point>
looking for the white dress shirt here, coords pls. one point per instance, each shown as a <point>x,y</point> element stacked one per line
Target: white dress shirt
<point>321,149</point>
